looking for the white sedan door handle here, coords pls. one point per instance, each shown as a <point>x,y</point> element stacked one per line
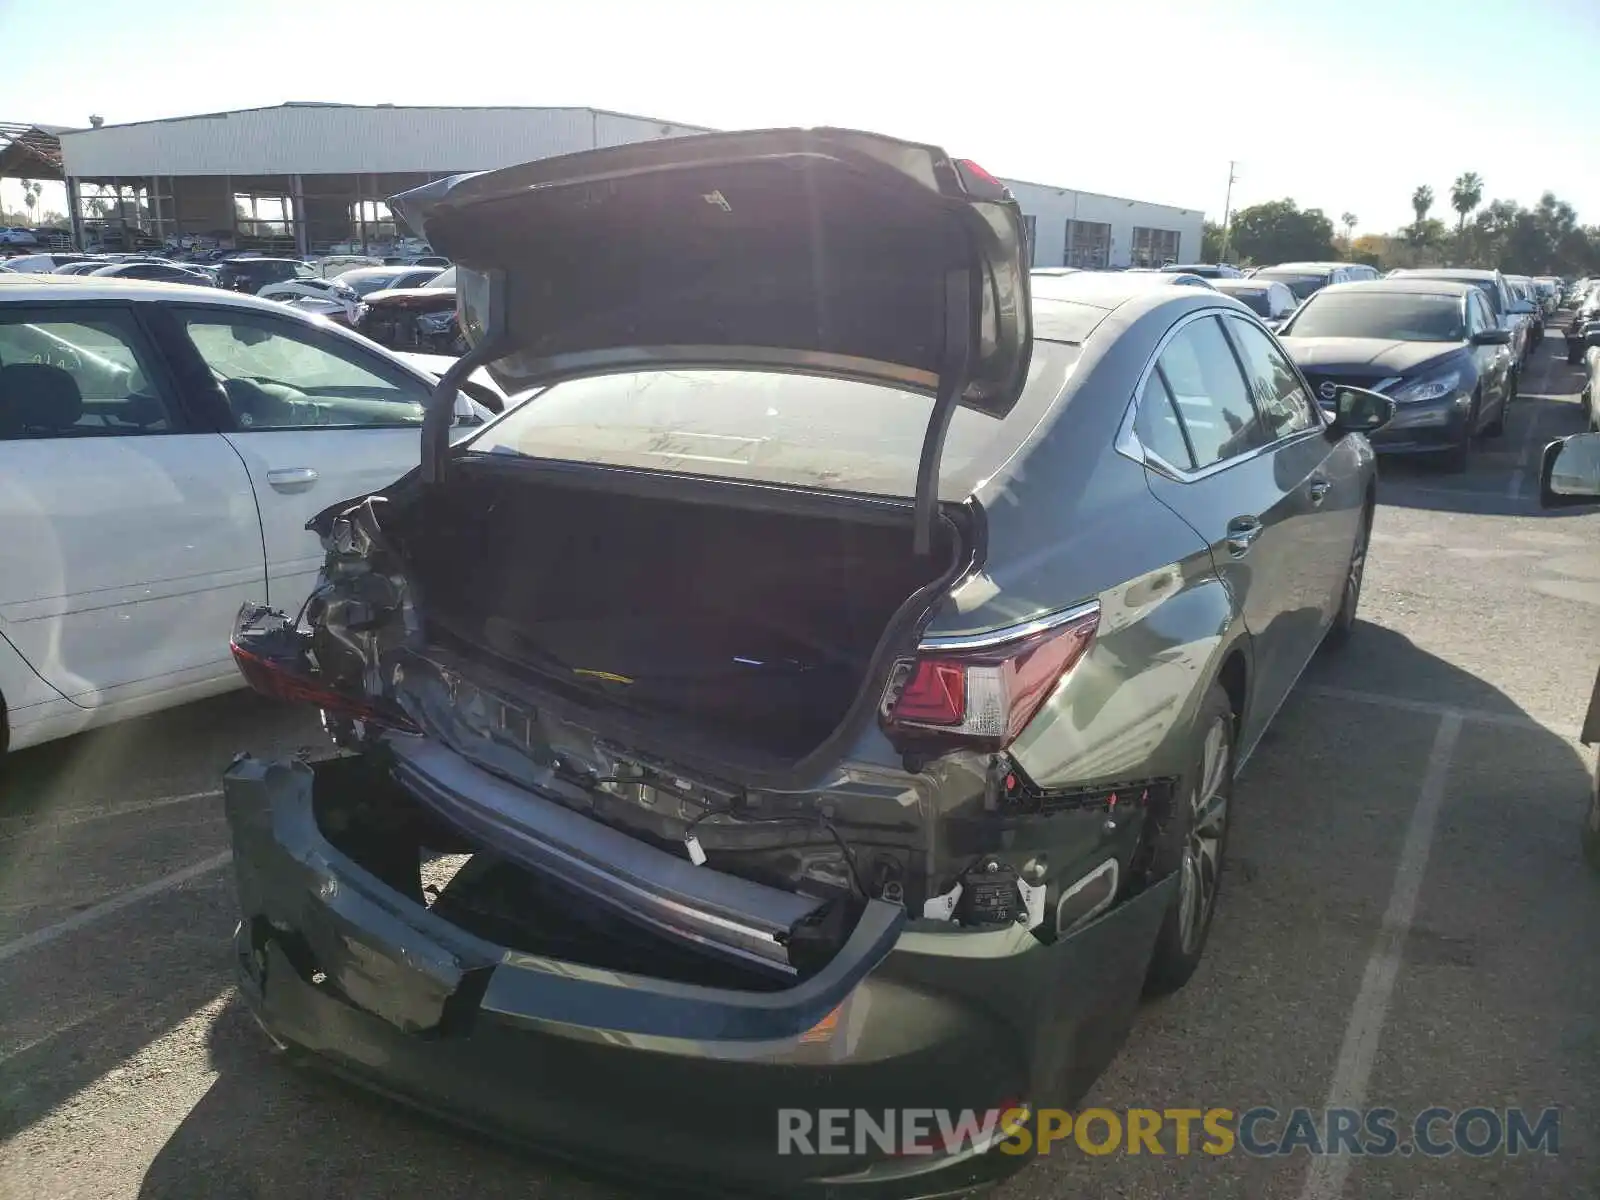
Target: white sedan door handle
<point>292,479</point>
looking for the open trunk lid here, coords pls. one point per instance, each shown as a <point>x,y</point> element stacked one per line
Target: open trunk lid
<point>824,252</point>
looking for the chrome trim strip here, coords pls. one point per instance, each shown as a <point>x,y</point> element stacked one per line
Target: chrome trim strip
<point>701,906</point>
<point>1009,633</point>
<point>1110,865</point>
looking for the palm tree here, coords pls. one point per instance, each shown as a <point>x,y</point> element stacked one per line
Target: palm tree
<point>1421,202</point>
<point>30,196</point>
<point>1348,220</point>
<point>1465,193</point>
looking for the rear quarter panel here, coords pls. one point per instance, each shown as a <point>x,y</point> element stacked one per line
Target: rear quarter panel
<point>1071,520</point>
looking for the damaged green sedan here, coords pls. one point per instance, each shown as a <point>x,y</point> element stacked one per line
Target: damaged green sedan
<point>824,693</point>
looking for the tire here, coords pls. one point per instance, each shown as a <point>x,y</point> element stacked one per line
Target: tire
<point>1574,352</point>
<point>1344,621</point>
<point>1193,842</point>
<point>1459,457</point>
<point>1497,427</point>
<point>1591,827</point>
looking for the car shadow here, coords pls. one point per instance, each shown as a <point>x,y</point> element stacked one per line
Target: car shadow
<point>158,751</point>
<point>263,1119</point>
<point>270,1117</point>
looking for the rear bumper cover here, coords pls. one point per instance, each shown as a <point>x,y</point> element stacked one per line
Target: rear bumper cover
<point>662,1080</point>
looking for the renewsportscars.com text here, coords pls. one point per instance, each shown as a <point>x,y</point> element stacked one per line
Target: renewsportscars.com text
<point>1261,1131</point>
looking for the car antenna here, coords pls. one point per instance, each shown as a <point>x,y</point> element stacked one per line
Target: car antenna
<point>959,307</point>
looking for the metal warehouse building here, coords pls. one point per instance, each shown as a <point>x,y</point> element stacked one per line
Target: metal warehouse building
<point>313,178</point>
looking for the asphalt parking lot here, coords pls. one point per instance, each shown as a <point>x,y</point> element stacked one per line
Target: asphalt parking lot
<point>1406,922</point>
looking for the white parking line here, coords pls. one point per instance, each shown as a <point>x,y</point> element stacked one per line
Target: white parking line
<point>1435,709</point>
<point>25,826</point>
<point>1325,1180</point>
<point>43,937</point>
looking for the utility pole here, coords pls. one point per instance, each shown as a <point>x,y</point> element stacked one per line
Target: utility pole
<point>1227,209</point>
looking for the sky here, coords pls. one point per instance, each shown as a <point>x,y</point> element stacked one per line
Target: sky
<point>1345,106</point>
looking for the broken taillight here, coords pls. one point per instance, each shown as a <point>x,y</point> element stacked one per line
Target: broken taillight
<point>273,677</point>
<point>982,693</point>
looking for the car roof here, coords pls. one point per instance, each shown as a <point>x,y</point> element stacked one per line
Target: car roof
<point>1251,284</point>
<point>21,288</point>
<point>1316,268</point>
<point>1403,285</point>
<point>1448,273</point>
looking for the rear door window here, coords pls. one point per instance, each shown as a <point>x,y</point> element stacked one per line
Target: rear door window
<point>1210,393</point>
<point>79,373</point>
<point>1157,426</point>
<point>1274,383</point>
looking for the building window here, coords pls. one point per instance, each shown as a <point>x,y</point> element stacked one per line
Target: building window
<point>372,221</point>
<point>1088,245</point>
<point>263,220</point>
<point>1030,230</point>
<point>1153,247</point>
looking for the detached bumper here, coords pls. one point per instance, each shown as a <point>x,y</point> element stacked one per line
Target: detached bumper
<point>663,1080</point>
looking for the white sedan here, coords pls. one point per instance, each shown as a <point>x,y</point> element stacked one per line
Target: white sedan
<point>332,292</point>
<point>161,450</point>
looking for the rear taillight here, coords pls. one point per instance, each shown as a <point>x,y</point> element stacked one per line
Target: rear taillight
<point>981,693</point>
<point>979,182</point>
<point>273,678</point>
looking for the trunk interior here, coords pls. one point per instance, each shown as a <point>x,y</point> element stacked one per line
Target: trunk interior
<point>753,627</point>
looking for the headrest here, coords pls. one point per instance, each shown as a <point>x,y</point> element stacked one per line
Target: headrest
<point>34,396</point>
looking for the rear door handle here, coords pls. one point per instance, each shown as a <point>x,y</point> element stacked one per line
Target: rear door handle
<point>1242,533</point>
<point>1319,490</point>
<point>292,479</point>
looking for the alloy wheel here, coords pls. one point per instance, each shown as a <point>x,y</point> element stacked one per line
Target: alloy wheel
<point>1201,869</point>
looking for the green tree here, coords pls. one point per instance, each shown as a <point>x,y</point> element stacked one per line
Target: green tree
<point>1210,242</point>
<point>1348,220</point>
<point>1280,231</point>
<point>1421,202</point>
<point>1465,194</point>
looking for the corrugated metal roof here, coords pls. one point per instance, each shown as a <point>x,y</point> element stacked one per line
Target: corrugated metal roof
<point>314,139</point>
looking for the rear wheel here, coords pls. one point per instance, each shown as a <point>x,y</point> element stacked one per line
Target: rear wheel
<point>1193,842</point>
<point>1574,351</point>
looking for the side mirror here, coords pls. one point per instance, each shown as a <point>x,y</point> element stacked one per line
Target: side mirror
<point>1569,472</point>
<point>1492,337</point>
<point>1357,410</point>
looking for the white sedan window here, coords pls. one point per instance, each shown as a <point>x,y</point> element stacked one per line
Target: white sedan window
<point>76,374</point>
<point>280,378</point>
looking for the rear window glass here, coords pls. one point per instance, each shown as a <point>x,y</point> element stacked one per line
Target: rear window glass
<point>1255,301</point>
<point>1489,287</point>
<point>1301,283</point>
<point>774,428</point>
